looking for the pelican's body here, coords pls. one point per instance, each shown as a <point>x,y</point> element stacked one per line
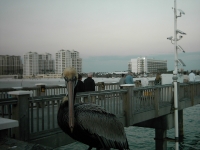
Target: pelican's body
<point>91,124</point>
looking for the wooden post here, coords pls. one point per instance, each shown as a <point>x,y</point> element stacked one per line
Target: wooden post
<point>101,87</point>
<point>127,107</point>
<point>41,89</point>
<point>21,113</point>
<point>160,135</point>
<point>156,101</point>
<point>192,93</point>
<point>41,92</point>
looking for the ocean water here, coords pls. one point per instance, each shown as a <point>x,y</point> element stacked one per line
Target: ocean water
<point>143,138</point>
<point>7,82</point>
<point>138,138</point>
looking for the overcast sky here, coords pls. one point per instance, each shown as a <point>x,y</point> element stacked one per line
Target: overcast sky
<point>107,33</point>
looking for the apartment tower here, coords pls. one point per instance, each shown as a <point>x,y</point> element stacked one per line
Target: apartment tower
<point>46,64</point>
<point>35,63</point>
<point>67,58</point>
<point>10,65</point>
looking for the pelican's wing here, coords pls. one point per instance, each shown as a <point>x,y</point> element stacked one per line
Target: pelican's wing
<point>102,124</point>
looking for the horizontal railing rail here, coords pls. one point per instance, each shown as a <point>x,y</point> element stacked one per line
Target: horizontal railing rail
<point>54,89</point>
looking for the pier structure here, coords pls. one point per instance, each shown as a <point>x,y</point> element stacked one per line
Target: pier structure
<point>35,108</point>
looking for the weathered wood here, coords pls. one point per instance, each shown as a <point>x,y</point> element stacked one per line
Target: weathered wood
<point>127,105</point>
<point>21,113</point>
<point>156,101</point>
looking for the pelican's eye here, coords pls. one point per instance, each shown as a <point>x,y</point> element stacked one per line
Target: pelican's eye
<point>71,79</point>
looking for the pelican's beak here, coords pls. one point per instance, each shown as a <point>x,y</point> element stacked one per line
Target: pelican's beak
<point>70,77</point>
<point>70,88</point>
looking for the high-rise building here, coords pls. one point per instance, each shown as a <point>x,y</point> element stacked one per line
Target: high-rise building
<point>146,65</point>
<point>46,64</point>
<point>10,65</point>
<point>30,66</point>
<point>132,66</point>
<point>35,63</point>
<point>63,59</point>
<point>76,61</point>
<point>67,58</point>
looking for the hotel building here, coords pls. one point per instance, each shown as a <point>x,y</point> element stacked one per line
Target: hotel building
<point>146,65</point>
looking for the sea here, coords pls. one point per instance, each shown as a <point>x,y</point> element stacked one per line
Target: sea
<point>139,138</point>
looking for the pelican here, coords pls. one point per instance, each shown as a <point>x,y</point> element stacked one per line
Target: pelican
<point>89,123</point>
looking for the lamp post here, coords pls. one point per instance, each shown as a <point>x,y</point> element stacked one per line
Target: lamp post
<point>175,72</point>
<point>175,78</point>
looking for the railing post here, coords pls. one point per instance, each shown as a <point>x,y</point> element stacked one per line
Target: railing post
<point>41,92</point>
<point>127,101</point>
<point>101,87</point>
<point>156,101</point>
<point>41,89</point>
<point>20,112</point>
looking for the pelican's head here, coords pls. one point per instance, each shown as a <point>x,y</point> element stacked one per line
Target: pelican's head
<point>70,73</point>
<point>70,77</point>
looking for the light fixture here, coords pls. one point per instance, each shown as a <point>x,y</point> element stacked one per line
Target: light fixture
<point>180,48</point>
<point>181,62</point>
<point>170,38</point>
<point>181,12</point>
<point>179,31</point>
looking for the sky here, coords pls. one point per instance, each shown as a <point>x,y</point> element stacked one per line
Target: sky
<point>106,33</point>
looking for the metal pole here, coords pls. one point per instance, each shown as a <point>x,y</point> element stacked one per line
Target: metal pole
<point>175,80</point>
